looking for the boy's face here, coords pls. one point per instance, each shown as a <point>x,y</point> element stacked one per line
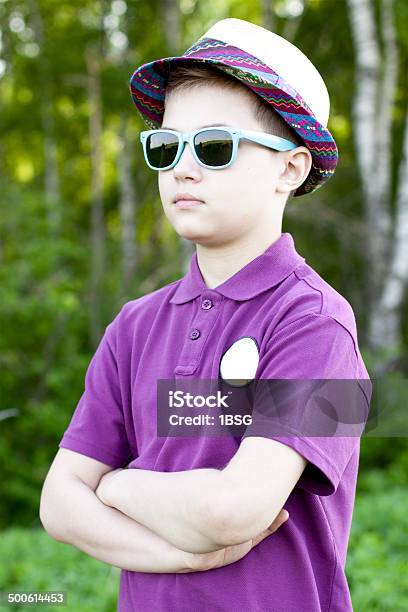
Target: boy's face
<point>241,201</point>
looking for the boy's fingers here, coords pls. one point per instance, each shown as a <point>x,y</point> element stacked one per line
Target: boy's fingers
<point>234,553</point>
<point>279,520</point>
<point>274,526</point>
<point>282,516</point>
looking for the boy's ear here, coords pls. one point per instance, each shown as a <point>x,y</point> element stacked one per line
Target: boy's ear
<point>298,163</point>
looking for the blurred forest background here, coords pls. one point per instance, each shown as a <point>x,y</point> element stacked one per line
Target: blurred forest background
<point>82,232</point>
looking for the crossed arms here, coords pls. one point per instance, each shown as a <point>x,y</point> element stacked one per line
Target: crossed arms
<point>157,521</point>
<point>202,510</point>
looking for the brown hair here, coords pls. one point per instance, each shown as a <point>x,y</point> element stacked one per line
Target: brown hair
<point>189,74</point>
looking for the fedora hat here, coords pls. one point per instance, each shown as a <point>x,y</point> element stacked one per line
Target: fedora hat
<point>270,66</point>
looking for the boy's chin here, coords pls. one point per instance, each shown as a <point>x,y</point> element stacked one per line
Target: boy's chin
<point>192,233</point>
<point>194,237</point>
<point>213,241</point>
<point>208,236</point>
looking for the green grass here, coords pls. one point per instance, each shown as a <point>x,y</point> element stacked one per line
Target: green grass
<point>377,561</point>
<point>31,560</point>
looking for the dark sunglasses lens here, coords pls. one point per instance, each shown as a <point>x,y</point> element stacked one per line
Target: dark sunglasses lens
<point>161,149</point>
<point>214,147</point>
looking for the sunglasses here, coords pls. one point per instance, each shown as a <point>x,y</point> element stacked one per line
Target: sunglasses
<point>212,147</point>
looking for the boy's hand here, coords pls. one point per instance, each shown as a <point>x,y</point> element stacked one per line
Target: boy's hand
<point>230,554</point>
<point>102,490</point>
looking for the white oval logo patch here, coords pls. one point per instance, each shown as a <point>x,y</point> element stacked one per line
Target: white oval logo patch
<point>240,362</point>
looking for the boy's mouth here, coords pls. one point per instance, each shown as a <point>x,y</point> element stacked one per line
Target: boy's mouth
<point>186,200</point>
<point>188,203</point>
<point>186,196</point>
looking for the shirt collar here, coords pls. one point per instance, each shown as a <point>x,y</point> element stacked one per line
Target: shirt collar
<point>265,271</point>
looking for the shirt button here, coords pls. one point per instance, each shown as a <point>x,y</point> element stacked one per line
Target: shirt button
<point>206,304</point>
<point>194,334</point>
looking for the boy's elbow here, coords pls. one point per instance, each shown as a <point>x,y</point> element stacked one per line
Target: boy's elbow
<point>52,532</point>
<point>45,518</point>
<point>48,518</point>
<point>227,525</point>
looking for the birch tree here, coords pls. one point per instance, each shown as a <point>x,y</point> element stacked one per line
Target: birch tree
<point>375,87</point>
<point>117,33</point>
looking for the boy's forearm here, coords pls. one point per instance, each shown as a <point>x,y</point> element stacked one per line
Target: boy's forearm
<point>74,515</point>
<point>175,505</point>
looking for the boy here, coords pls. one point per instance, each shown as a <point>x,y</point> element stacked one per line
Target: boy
<point>250,307</point>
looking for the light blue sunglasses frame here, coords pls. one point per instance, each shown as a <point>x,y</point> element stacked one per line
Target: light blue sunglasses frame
<point>267,140</point>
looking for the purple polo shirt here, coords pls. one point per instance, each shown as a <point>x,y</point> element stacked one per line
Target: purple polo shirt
<point>303,328</point>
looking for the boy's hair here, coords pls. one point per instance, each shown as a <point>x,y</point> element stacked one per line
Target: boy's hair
<point>189,74</point>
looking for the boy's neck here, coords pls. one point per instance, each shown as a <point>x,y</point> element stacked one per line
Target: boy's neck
<point>218,264</point>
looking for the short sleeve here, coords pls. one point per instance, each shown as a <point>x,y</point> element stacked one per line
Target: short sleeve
<point>314,346</point>
<point>97,427</point>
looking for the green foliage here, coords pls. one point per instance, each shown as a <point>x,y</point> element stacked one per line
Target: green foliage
<point>377,561</point>
<point>43,324</point>
<point>45,258</point>
<point>32,561</point>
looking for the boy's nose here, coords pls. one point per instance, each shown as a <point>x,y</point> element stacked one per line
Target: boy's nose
<point>186,163</point>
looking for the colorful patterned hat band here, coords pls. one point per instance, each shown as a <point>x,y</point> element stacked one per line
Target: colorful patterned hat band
<point>148,83</point>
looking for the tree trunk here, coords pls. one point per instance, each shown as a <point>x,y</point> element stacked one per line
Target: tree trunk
<point>386,319</point>
<point>171,25</point>
<point>51,178</point>
<point>372,117</point>
<point>127,205</point>
<point>97,213</point>
<point>268,20</point>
